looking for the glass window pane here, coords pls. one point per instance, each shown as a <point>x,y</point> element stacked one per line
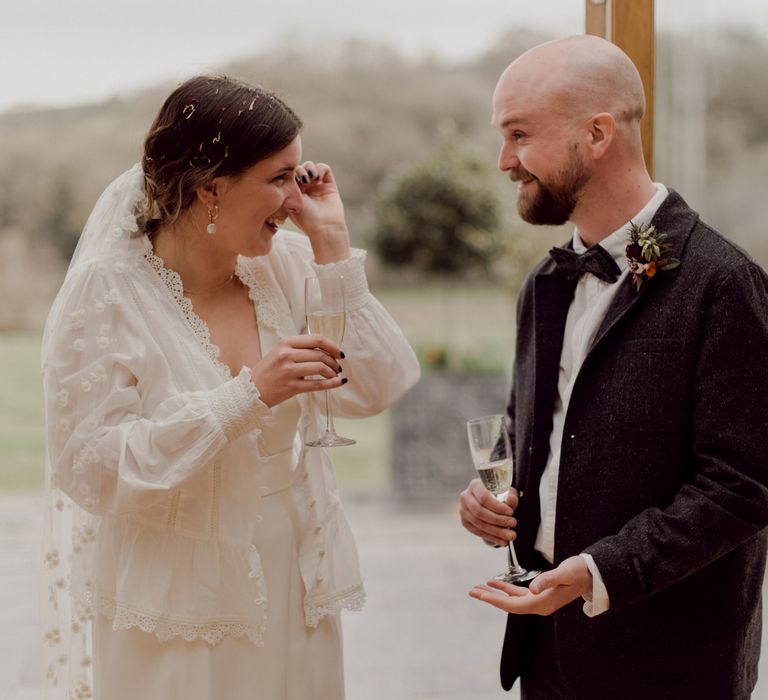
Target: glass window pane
<point>712,112</point>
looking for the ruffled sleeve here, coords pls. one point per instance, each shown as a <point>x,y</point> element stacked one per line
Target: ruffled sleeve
<point>379,363</point>
<point>116,437</point>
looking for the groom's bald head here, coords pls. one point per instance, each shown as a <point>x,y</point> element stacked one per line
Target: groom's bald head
<point>569,114</point>
<point>575,77</point>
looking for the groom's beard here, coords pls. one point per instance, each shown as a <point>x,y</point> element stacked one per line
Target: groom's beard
<point>551,203</point>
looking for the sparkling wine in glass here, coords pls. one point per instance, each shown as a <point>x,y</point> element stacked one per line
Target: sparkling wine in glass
<point>492,457</point>
<point>326,316</point>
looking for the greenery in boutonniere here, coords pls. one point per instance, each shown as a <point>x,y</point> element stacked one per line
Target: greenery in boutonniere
<point>647,253</point>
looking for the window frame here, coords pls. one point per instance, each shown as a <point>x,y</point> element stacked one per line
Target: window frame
<point>630,25</point>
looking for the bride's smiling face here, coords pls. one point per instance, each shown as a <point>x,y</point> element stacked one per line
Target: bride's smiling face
<point>253,204</point>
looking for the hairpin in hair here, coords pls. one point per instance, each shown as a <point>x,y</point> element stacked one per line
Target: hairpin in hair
<point>199,160</point>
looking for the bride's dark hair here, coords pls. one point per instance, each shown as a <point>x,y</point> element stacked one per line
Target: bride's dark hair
<point>209,126</point>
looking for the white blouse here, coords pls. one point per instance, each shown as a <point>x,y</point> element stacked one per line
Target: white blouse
<point>158,457</point>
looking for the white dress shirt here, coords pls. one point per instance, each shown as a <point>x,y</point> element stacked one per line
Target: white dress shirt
<point>588,308</point>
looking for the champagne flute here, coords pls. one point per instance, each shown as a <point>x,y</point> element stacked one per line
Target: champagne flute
<point>326,316</point>
<point>492,457</point>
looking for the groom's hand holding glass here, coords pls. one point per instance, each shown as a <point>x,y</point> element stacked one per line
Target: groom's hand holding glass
<point>485,516</point>
<point>491,451</point>
<point>486,508</point>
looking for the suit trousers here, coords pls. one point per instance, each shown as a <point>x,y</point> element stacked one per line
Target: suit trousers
<point>541,678</point>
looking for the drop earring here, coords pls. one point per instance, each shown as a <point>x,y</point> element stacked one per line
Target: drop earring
<point>213,214</point>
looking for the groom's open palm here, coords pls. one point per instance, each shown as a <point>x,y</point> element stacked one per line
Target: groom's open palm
<point>547,593</point>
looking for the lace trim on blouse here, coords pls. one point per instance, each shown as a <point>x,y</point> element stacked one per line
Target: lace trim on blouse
<point>356,292</point>
<point>352,599</point>
<point>172,281</point>
<point>258,292</point>
<point>164,628</point>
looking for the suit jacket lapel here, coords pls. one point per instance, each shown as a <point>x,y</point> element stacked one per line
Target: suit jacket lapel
<point>552,296</point>
<point>626,297</point>
<point>676,219</point>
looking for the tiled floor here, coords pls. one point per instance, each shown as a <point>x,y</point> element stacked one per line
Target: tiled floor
<point>420,636</point>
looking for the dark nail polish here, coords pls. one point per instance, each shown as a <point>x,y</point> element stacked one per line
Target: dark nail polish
<point>304,179</point>
<point>311,173</point>
<point>342,356</point>
<point>298,180</point>
<point>344,380</point>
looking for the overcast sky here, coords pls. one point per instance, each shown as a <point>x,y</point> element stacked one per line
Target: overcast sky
<point>66,52</point>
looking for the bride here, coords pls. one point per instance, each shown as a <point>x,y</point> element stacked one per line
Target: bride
<point>194,547</point>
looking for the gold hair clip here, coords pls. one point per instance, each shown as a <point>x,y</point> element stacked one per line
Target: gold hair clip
<point>217,138</point>
<point>226,151</point>
<point>253,101</point>
<point>191,109</point>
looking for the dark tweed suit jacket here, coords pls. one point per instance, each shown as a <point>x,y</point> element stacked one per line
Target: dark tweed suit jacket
<point>663,472</point>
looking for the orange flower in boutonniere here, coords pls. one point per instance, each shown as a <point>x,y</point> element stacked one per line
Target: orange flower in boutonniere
<point>647,253</point>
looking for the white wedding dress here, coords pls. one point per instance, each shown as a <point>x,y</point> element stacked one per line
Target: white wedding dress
<point>194,547</point>
<point>295,661</point>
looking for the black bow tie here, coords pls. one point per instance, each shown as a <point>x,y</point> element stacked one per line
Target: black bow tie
<point>596,260</point>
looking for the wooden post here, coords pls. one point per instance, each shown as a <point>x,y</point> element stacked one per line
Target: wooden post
<point>629,24</point>
<point>596,18</point>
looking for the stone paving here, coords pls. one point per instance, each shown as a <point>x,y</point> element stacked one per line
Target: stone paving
<point>420,636</point>
<point>19,556</point>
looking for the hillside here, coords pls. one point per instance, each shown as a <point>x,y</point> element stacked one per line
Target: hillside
<point>372,113</point>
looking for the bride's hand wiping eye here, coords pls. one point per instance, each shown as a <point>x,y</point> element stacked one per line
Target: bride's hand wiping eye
<point>322,214</point>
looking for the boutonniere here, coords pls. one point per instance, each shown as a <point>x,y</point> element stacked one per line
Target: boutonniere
<point>647,254</point>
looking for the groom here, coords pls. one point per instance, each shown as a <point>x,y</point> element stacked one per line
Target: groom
<point>639,409</point>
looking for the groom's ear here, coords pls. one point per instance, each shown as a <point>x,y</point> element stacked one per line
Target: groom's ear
<point>601,131</point>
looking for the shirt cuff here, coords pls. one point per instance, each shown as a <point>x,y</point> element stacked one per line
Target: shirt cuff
<point>352,269</point>
<point>238,407</point>
<point>596,602</point>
